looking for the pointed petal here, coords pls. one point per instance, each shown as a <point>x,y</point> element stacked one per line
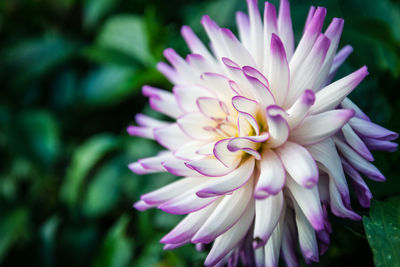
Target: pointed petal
<point>332,95</point>
<point>300,109</point>
<point>316,128</point>
<point>285,28</point>
<point>358,162</point>
<point>279,70</point>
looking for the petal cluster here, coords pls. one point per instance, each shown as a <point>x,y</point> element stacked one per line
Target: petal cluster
<point>261,138</point>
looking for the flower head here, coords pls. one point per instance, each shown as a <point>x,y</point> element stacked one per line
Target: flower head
<point>262,139</point>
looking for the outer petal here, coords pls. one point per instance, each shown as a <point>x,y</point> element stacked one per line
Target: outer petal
<point>172,190</point>
<point>358,162</point>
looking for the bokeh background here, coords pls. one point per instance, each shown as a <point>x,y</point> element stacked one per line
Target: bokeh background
<point>70,75</point>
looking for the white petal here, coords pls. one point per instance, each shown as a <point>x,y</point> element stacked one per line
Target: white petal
<point>187,228</point>
<point>278,126</point>
<point>299,164</point>
<point>306,74</point>
<point>299,110</point>
<point>171,136</point>
<point>162,101</point>
<point>307,238</point>
<point>332,95</point>
<point>172,190</point>
<point>272,175</point>
<point>356,143</point>
<point>285,28</point>
<point>229,240</point>
<point>358,162</point>
<point>279,70</point>
<point>197,126</point>
<point>309,202</point>
<point>187,96</point>
<point>228,212</point>
<point>273,246</point>
<point>230,182</point>
<point>315,128</point>
<point>268,213</point>
<point>211,166</point>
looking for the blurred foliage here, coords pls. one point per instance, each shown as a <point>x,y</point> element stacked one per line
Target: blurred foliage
<point>71,73</point>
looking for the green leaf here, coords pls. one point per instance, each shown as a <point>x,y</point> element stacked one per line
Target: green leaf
<point>43,54</point>
<point>94,10</point>
<point>13,226</point>
<point>40,136</point>
<point>383,232</point>
<point>83,160</point>
<point>117,248</point>
<point>104,190</point>
<point>127,34</point>
<point>108,85</point>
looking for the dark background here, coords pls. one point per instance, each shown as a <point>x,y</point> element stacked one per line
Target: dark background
<point>70,78</point>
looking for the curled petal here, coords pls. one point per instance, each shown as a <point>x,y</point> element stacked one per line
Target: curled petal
<point>211,166</point>
<point>230,182</point>
<point>278,127</point>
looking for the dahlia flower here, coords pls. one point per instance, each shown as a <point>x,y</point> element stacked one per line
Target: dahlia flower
<point>262,138</point>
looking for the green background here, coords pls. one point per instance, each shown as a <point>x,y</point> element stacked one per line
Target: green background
<point>70,78</point>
